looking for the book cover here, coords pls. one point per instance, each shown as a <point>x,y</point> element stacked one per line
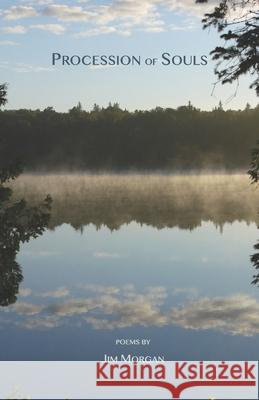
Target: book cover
<point>129,164</point>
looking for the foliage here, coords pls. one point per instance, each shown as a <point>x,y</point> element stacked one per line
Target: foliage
<point>3,94</point>
<point>255,262</point>
<point>254,166</point>
<point>115,139</point>
<point>238,24</point>
<point>18,224</point>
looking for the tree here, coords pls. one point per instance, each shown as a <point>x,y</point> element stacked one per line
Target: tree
<point>8,169</point>
<point>49,110</point>
<point>238,24</point>
<point>19,223</point>
<point>96,108</point>
<point>76,109</point>
<point>220,106</point>
<point>3,94</point>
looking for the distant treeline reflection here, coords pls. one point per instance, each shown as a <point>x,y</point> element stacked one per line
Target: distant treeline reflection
<point>115,139</point>
<point>156,200</point>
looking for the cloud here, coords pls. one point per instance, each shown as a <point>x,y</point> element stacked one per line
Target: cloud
<point>140,311</point>
<point>17,29</point>
<point>99,289</point>
<point>111,307</point>
<point>154,29</point>
<point>115,16</point>
<point>148,15</point>
<point>103,30</point>
<point>47,322</point>
<point>125,15</point>
<point>133,10</point>
<point>26,308</point>
<point>68,13</point>
<point>57,294</point>
<point>73,307</point>
<point>27,68</point>
<point>18,12</point>
<point>103,254</point>
<point>236,315</point>
<point>25,292</point>
<point>57,29</point>
<point>132,309</point>
<point>156,294</point>
<point>37,2</point>
<point>8,43</point>
<point>190,6</point>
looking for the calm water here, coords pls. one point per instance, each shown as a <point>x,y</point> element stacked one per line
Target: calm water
<point>164,258</point>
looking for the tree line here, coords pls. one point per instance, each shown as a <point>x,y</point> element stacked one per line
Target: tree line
<point>113,138</point>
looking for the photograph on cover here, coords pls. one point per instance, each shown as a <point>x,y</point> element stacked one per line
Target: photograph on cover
<point>128,180</point>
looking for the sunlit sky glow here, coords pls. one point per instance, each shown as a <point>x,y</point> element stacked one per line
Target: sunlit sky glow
<point>31,30</point>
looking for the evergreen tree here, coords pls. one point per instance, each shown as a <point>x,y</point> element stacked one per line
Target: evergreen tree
<point>3,94</point>
<point>239,54</point>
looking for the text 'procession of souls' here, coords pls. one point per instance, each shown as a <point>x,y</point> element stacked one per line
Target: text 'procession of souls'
<point>166,59</point>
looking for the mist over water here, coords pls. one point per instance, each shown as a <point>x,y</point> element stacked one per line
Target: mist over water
<point>154,199</point>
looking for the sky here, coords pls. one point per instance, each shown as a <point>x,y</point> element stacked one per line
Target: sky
<point>31,30</point>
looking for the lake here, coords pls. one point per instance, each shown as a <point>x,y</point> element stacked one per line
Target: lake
<point>166,258</point>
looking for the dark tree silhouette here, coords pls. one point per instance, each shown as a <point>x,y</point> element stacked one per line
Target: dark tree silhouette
<point>238,24</point>
<point>8,170</point>
<point>115,139</point>
<point>255,262</point>
<point>254,166</point>
<point>18,224</point>
<point>3,94</point>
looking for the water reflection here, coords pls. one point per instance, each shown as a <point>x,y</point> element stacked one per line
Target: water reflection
<point>255,262</point>
<point>111,267</point>
<point>18,224</point>
<point>126,307</point>
<point>155,200</point>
